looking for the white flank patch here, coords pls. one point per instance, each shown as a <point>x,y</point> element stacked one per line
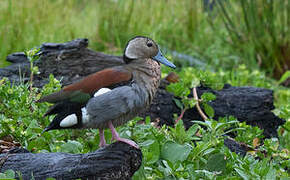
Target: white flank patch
<point>101,91</point>
<point>69,121</point>
<point>85,116</point>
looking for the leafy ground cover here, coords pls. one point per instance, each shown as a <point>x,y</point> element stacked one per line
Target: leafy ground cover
<point>201,153</point>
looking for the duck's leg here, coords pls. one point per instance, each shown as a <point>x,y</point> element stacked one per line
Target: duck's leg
<point>115,136</point>
<point>102,138</point>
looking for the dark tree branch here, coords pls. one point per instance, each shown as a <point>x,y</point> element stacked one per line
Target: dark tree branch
<point>116,161</point>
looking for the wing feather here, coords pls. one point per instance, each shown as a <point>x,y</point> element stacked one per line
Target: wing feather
<point>82,91</point>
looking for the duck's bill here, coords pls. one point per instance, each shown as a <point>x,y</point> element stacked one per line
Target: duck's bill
<point>160,58</point>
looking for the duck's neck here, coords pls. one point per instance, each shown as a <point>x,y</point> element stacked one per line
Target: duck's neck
<point>146,75</point>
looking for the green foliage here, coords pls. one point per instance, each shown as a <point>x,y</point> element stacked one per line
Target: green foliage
<point>241,76</point>
<point>9,174</point>
<point>32,56</point>
<point>216,162</point>
<point>181,89</point>
<point>248,134</point>
<point>107,24</point>
<point>22,118</point>
<point>258,31</point>
<point>284,77</point>
<point>207,97</point>
<point>169,149</point>
<point>168,152</point>
<point>209,154</point>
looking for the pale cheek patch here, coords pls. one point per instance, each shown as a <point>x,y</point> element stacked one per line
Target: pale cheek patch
<point>129,52</point>
<point>101,91</point>
<point>69,121</point>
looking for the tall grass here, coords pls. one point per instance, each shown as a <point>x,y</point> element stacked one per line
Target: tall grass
<point>259,30</point>
<point>28,23</point>
<point>107,23</point>
<point>255,33</point>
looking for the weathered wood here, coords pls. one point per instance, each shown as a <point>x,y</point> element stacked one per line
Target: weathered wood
<point>248,104</point>
<point>68,62</point>
<point>115,161</point>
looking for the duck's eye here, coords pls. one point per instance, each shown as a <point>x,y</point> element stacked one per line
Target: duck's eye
<point>149,44</point>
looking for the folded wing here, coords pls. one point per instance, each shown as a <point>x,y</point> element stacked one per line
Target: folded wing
<point>118,106</point>
<point>69,101</point>
<point>82,91</point>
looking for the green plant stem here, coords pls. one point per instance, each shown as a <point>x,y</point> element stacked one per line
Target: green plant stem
<point>31,79</point>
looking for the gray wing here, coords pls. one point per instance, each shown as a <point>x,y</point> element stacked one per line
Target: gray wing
<point>116,105</point>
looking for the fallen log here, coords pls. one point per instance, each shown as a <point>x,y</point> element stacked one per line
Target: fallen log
<point>68,62</point>
<point>115,161</point>
<point>248,104</point>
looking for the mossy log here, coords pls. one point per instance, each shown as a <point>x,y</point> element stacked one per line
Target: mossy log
<point>115,161</point>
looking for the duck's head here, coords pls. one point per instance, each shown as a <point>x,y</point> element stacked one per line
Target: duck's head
<point>142,48</point>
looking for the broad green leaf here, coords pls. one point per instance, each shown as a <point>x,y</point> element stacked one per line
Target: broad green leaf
<point>221,125</point>
<point>147,120</point>
<point>216,162</point>
<point>3,176</point>
<point>165,168</point>
<point>189,102</point>
<point>33,127</point>
<point>192,130</point>
<point>242,173</point>
<point>10,173</point>
<point>208,151</point>
<point>208,97</point>
<point>179,129</point>
<point>32,54</point>
<point>178,103</point>
<point>234,129</point>
<point>175,152</point>
<point>208,110</point>
<point>285,76</point>
<point>71,147</point>
<point>147,142</point>
<point>271,174</point>
<point>152,153</point>
<point>208,174</point>
<point>37,143</point>
<point>206,123</point>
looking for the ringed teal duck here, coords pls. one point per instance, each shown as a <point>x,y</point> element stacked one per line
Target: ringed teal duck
<point>113,96</point>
